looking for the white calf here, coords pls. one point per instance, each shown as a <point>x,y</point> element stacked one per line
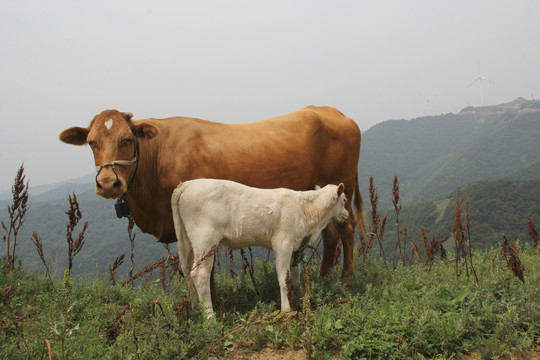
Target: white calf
<point>209,212</point>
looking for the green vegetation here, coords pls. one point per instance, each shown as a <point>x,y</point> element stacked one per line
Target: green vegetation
<point>410,311</point>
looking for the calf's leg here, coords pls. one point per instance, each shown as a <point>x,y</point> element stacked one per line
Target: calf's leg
<point>283,263</point>
<point>185,255</point>
<point>201,278</point>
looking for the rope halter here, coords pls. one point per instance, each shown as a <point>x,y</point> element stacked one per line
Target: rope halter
<point>113,164</point>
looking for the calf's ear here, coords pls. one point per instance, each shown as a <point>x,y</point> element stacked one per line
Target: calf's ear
<point>340,189</point>
<point>74,135</point>
<point>145,131</point>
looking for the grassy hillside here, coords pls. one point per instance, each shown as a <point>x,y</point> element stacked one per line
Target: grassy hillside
<point>418,311</point>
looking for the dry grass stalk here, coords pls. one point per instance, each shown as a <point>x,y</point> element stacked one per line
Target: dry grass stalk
<point>378,227</point>
<point>397,209</point>
<point>7,293</point>
<point>510,254</point>
<point>147,269</point>
<point>415,250</point>
<point>429,250</point>
<point>163,273</point>
<point>405,233</point>
<point>314,255</point>
<point>112,333</point>
<point>47,344</point>
<point>182,310</point>
<point>163,262</point>
<point>36,239</point>
<point>115,265</point>
<point>433,247</point>
<point>459,238</point>
<point>337,254</point>
<point>131,235</point>
<point>290,290</point>
<point>135,339</point>
<point>468,218</point>
<point>74,215</point>
<point>246,266</point>
<point>231,262</point>
<point>17,214</point>
<point>533,233</point>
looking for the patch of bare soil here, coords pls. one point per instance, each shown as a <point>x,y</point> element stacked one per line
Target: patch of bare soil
<point>273,354</point>
<point>533,354</point>
<point>268,354</point>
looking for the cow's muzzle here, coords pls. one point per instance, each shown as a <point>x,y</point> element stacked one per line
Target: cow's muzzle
<point>113,187</point>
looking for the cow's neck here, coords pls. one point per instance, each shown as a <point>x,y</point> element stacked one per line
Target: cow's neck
<point>146,197</point>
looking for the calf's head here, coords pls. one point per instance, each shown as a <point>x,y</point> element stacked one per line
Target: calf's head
<point>338,209</point>
<point>113,138</point>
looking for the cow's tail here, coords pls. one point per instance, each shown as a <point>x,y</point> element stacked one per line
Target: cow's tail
<point>360,214</point>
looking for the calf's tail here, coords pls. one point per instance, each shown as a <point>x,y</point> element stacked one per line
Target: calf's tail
<point>359,215</point>
<point>178,223</point>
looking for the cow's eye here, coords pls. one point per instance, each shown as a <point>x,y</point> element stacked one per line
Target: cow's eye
<point>92,143</point>
<point>127,141</point>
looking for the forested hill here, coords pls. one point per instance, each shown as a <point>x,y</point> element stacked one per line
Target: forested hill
<point>434,155</point>
<point>496,207</point>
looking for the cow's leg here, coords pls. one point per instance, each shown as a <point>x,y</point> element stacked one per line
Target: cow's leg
<point>283,263</point>
<point>330,237</point>
<point>346,231</point>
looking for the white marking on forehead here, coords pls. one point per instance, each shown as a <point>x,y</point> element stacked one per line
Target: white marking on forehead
<point>109,124</point>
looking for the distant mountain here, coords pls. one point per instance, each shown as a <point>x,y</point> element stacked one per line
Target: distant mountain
<point>56,189</point>
<point>433,155</point>
<point>105,239</point>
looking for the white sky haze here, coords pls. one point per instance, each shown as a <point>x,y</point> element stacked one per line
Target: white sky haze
<point>63,61</point>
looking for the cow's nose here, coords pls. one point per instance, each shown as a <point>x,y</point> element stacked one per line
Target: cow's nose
<point>108,185</point>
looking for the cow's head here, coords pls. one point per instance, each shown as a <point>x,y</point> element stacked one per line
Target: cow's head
<point>114,138</point>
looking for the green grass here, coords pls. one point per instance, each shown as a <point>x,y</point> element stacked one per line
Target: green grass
<point>410,311</point>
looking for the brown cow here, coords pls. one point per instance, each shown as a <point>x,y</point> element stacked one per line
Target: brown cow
<point>143,161</point>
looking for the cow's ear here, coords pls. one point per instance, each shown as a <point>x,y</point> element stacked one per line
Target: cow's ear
<point>74,135</point>
<point>144,131</point>
<point>340,189</point>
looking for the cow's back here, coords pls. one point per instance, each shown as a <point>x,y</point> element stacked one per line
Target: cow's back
<point>315,145</point>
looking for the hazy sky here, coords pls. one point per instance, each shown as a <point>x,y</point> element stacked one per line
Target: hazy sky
<point>62,62</point>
